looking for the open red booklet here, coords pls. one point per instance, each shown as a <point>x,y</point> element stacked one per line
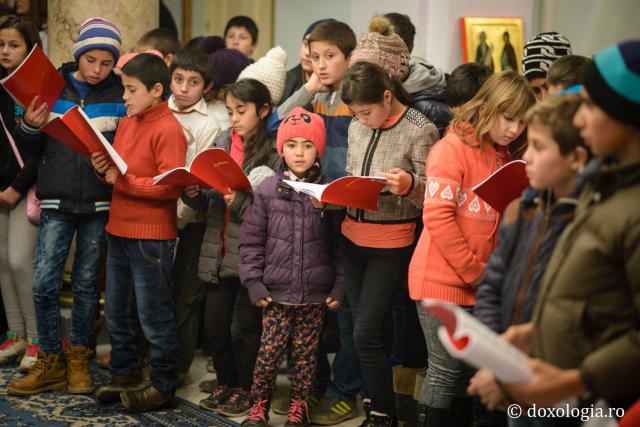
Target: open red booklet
<point>466,338</point>
<point>354,191</point>
<point>36,75</point>
<point>75,130</point>
<point>504,185</point>
<point>211,168</point>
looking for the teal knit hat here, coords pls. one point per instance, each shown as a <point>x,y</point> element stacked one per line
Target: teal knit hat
<point>613,81</point>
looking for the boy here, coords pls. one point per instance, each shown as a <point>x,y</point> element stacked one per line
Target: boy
<point>241,34</point>
<point>190,80</point>
<point>161,39</point>
<point>73,200</point>
<point>464,82</point>
<point>538,55</point>
<point>141,236</point>
<point>585,323</point>
<point>566,73</point>
<point>330,45</point>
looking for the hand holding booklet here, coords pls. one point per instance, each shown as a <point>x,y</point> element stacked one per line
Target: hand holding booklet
<point>360,192</point>
<point>504,185</point>
<point>466,338</point>
<point>211,168</point>
<point>75,130</point>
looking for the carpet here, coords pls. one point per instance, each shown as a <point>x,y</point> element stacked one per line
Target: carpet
<point>63,409</point>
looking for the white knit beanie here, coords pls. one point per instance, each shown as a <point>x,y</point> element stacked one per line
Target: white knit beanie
<point>269,70</point>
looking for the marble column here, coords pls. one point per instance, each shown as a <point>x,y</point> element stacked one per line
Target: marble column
<point>132,17</point>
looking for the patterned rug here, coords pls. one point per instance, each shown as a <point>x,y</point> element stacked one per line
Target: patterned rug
<point>62,409</point>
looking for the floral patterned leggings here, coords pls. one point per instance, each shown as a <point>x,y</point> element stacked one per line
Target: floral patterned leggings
<point>303,323</point>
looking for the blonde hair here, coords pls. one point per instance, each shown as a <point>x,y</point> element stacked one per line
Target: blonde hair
<point>505,93</point>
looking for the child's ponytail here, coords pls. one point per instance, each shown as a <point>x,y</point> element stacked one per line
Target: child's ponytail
<point>365,83</point>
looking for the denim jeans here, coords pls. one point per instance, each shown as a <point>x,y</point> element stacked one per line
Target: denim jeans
<point>447,377</point>
<point>371,277</point>
<point>139,288</point>
<point>54,240</point>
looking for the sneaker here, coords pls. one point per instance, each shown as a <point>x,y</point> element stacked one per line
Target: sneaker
<point>110,392</point>
<point>78,379</point>
<point>12,348</point>
<point>237,405</point>
<point>147,399</point>
<point>30,355</point>
<point>210,367</point>
<point>376,419</point>
<point>48,373</point>
<point>366,406</point>
<point>298,414</point>
<point>331,410</point>
<point>258,415</point>
<point>280,405</point>
<point>209,385</point>
<point>217,396</point>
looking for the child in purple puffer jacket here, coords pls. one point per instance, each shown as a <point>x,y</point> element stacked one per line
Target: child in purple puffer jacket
<point>290,265</point>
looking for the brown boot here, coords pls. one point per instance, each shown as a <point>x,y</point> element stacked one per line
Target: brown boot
<point>48,373</point>
<point>146,399</point>
<point>78,378</point>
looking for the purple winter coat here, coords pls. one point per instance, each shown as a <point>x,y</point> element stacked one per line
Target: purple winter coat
<point>289,249</point>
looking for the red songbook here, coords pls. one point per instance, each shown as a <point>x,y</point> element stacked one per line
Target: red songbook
<point>504,185</point>
<point>35,76</point>
<point>211,168</point>
<point>360,192</point>
<point>75,130</point>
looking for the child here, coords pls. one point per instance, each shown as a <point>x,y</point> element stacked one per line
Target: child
<point>377,246</point>
<point>241,34</point>
<point>330,46</point>
<point>459,228</point>
<point>293,302</point>
<point>73,200</point>
<point>141,233</point>
<point>532,225</point>
<point>538,55</point>
<point>463,84</point>
<point>161,39</point>
<point>190,80</point>
<point>566,73</point>
<point>250,145</point>
<point>17,234</point>
<point>585,322</point>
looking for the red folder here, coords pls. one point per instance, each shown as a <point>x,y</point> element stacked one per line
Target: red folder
<point>36,75</point>
<point>360,192</point>
<point>74,129</point>
<point>211,168</point>
<point>504,185</point>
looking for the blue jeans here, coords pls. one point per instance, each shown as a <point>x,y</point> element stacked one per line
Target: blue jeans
<point>139,288</point>
<point>54,240</point>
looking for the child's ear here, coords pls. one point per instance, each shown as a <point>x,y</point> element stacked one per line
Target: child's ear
<point>263,112</point>
<point>208,88</point>
<point>157,90</point>
<point>581,157</point>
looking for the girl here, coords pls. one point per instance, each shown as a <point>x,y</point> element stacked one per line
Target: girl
<point>459,228</point>
<point>389,139</point>
<point>284,228</point>
<point>248,103</point>
<point>17,37</point>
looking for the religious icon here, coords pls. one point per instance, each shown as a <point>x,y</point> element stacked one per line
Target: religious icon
<point>497,42</point>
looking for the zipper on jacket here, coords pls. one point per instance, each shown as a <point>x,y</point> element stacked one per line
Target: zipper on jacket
<point>366,164</point>
<point>526,278</point>
<point>82,103</point>
<point>301,199</point>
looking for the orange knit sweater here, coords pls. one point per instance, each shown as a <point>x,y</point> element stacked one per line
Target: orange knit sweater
<point>459,228</point>
<point>151,142</point>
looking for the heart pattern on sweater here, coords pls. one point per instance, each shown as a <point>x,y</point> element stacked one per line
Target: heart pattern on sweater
<point>462,197</point>
<point>447,194</point>
<point>433,187</point>
<point>474,206</point>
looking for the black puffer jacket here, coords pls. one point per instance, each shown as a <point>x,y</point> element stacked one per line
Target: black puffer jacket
<point>432,103</point>
<point>65,177</point>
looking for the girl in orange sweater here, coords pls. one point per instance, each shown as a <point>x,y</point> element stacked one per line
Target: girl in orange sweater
<point>459,228</point>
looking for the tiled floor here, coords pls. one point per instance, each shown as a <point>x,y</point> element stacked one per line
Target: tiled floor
<point>198,373</point>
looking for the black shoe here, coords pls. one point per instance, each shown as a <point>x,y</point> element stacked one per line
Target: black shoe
<point>147,399</point>
<point>379,420</point>
<point>258,415</point>
<point>110,392</point>
<point>298,414</point>
<point>218,395</point>
<point>208,386</point>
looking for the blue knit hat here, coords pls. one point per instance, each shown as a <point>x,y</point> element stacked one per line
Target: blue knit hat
<point>613,81</point>
<point>97,33</point>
